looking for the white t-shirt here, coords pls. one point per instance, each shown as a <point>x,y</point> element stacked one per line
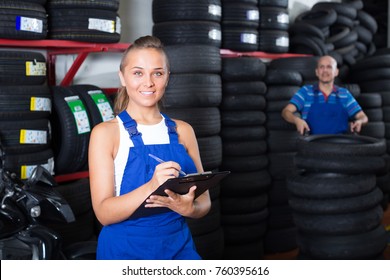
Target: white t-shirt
<point>151,135</point>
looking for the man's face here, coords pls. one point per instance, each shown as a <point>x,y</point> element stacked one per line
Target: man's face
<point>326,70</point>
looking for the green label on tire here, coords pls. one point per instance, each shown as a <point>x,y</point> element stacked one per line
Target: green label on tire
<point>102,104</point>
<point>80,114</point>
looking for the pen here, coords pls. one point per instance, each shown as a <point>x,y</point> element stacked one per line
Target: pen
<point>161,161</point>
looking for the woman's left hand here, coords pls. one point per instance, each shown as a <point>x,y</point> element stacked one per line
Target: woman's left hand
<point>182,204</point>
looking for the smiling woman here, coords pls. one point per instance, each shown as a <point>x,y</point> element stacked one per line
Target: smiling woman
<point>123,175</point>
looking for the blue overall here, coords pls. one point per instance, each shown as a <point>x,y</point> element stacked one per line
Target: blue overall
<point>327,118</point>
<point>162,236</point>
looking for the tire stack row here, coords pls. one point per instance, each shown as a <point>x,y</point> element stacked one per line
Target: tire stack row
<point>244,195</point>
<point>273,26</point>
<point>281,141</point>
<point>79,20</point>
<point>25,109</point>
<point>371,73</point>
<point>335,198</point>
<point>23,19</point>
<point>191,33</point>
<point>87,21</point>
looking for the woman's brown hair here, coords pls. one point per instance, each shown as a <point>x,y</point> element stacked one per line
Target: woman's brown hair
<point>145,42</point>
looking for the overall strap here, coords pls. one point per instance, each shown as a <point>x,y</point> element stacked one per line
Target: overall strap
<point>172,132</point>
<point>131,127</point>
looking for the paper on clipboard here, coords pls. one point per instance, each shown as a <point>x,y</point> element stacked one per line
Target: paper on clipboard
<point>181,185</point>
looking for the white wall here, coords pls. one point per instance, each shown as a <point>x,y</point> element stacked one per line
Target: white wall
<point>136,20</point>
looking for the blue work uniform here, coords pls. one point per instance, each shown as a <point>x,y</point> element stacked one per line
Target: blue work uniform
<point>163,236</point>
<point>326,116</point>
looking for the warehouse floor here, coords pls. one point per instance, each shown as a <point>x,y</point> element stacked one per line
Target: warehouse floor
<point>291,255</point>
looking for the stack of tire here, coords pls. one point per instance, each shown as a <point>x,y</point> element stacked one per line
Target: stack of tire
<point>244,195</point>
<point>187,22</point>
<point>273,26</point>
<point>329,27</point>
<point>23,19</point>
<point>379,11</point>
<point>335,198</point>
<point>84,20</point>
<point>371,104</point>
<point>191,33</point>
<point>76,110</point>
<point>240,21</point>
<point>372,73</point>
<point>281,142</point>
<point>25,109</point>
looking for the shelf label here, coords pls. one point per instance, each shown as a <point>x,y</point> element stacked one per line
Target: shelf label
<point>29,24</point>
<point>249,38</point>
<point>40,104</point>
<point>252,15</point>
<point>26,170</point>
<point>283,18</point>
<point>33,136</point>
<point>101,25</point>
<point>80,114</point>
<point>118,25</point>
<point>35,68</point>
<point>283,41</point>
<point>215,34</point>
<point>215,10</point>
<point>101,102</point>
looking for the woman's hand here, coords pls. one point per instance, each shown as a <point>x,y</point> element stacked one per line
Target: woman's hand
<point>182,204</point>
<point>163,172</point>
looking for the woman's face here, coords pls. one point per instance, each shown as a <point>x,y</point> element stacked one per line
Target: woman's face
<point>145,76</point>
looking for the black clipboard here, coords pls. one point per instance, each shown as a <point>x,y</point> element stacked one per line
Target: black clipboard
<point>181,185</point>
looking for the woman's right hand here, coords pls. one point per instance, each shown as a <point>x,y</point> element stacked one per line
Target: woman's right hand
<point>163,172</point>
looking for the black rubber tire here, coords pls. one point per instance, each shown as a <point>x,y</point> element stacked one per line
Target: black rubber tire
<point>238,118</point>
<point>340,224</point>
<point>275,77</point>
<point>181,10</point>
<point>336,205</point>
<point>240,184</point>
<point>337,164</point>
<point>243,102</point>
<point>347,247</point>
<point>205,121</point>
<point>75,24</point>
<point>17,68</point>
<point>25,136</point>
<point>189,32</point>
<point>23,164</point>
<point>341,145</point>
<point>110,5</point>
<point>243,133</point>
<point>275,18</point>
<point>243,69</point>
<point>330,185</point>
<point>25,102</point>
<point>193,90</point>
<point>185,59</point>
<point>274,41</point>
<point>70,141</point>
<point>239,14</point>
<point>11,27</point>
